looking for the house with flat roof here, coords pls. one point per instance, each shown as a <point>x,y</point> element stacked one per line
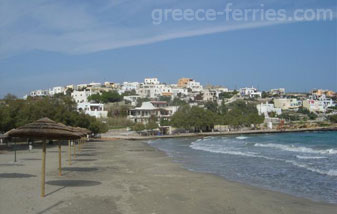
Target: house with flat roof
<point>151,110</point>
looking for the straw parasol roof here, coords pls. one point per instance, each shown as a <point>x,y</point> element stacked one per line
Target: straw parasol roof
<point>44,129</point>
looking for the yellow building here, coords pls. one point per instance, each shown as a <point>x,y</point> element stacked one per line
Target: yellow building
<point>286,104</point>
<point>182,83</point>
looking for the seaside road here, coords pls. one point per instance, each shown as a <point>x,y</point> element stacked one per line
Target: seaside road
<point>131,177</point>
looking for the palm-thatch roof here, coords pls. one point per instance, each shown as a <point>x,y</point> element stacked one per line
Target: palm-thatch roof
<point>44,129</point>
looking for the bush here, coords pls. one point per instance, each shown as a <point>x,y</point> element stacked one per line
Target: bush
<point>138,127</point>
<point>106,97</point>
<point>119,122</point>
<point>333,118</point>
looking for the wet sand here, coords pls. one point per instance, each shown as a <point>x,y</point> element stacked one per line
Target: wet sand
<point>131,177</point>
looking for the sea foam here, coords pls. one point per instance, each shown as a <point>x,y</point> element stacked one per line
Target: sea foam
<point>293,148</point>
<point>241,138</point>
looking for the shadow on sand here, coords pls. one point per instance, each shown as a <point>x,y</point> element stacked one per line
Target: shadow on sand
<point>31,159</point>
<point>11,164</point>
<point>80,169</point>
<point>15,175</point>
<point>73,183</point>
<point>85,159</point>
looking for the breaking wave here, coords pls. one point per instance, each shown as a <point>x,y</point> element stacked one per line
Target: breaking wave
<point>293,148</point>
<point>309,157</point>
<point>223,150</point>
<point>241,138</point>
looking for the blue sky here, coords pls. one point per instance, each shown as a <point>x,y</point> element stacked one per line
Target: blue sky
<point>51,43</point>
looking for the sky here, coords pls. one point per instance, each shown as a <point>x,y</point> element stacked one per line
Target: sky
<point>47,43</point>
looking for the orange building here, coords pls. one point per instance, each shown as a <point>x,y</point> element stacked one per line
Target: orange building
<point>320,92</point>
<point>183,82</point>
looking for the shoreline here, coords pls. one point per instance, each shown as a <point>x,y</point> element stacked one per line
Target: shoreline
<point>132,177</point>
<point>229,133</point>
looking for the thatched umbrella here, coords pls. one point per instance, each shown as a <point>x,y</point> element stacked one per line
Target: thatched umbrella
<point>83,133</point>
<point>44,129</point>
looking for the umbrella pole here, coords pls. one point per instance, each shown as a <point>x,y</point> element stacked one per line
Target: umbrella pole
<point>74,148</point>
<point>69,153</point>
<point>60,164</point>
<point>43,174</point>
<point>15,151</point>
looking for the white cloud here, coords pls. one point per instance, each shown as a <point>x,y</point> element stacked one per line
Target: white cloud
<point>86,26</point>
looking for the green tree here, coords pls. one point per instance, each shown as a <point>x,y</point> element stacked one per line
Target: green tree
<point>333,118</point>
<point>15,113</point>
<point>138,127</point>
<point>211,106</point>
<point>178,102</point>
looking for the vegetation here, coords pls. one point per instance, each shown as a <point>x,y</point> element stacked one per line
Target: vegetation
<point>16,112</point>
<point>237,114</point>
<point>118,122</point>
<point>138,127</point>
<point>289,117</point>
<point>118,111</point>
<point>265,94</point>
<point>195,118</point>
<point>178,102</point>
<point>241,114</point>
<point>227,95</point>
<point>141,100</point>
<point>106,97</point>
<point>333,118</point>
<point>311,115</point>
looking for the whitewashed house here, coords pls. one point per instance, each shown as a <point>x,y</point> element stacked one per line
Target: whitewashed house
<point>318,105</point>
<point>155,109</point>
<point>250,92</point>
<point>194,86</point>
<point>151,81</point>
<point>56,90</point>
<point>93,109</point>
<point>129,86</point>
<point>265,108</point>
<point>39,93</point>
<point>278,91</point>
<point>81,96</point>
<point>132,99</point>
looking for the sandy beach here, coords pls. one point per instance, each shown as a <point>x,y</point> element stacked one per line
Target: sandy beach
<point>130,177</point>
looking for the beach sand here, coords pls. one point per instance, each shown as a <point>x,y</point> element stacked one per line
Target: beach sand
<point>131,177</point>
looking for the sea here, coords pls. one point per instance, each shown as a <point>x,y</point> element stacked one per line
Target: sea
<point>301,164</point>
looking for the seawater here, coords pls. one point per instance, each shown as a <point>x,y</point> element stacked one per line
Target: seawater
<point>301,164</point>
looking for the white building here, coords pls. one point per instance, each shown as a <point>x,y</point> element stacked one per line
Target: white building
<point>81,96</point>
<point>265,108</point>
<point>210,95</point>
<point>250,92</point>
<point>132,99</point>
<point>278,91</point>
<point>129,86</point>
<point>56,90</point>
<point>39,93</point>
<point>156,109</point>
<point>81,86</point>
<point>151,81</point>
<point>318,105</point>
<point>154,90</point>
<point>93,109</point>
<point>194,86</point>
<point>149,91</point>
<point>179,91</point>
